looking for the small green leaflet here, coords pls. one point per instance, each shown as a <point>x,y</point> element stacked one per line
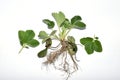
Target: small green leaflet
<point>44,40</point>
<point>43,35</point>
<point>26,39</point>
<point>24,36</point>
<point>76,22</point>
<point>33,43</point>
<point>53,32</point>
<point>42,53</point>
<point>59,18</point>
<point>49,23</point>
<point>75,18</point>
<point>48,42</point>
<point>91,45</point>
<point>66,24</point>
<point>86,40</point>
<point>71,39</point>
<point>80,25</point>
<point>72,48</point>
<point>97,46</point>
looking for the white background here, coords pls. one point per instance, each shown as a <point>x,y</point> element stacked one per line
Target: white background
<point>102,18</point>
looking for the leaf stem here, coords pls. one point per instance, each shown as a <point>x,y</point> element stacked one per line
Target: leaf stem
<point>59,29</point>
<point>22,48</point>
<point>67,32</point>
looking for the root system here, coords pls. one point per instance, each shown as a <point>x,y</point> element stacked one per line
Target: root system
<point>62,60</point>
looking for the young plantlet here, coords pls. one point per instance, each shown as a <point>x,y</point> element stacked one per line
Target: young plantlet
<point>63,56</point>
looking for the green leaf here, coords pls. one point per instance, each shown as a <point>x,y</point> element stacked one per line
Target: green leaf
<point>21,35</point>
<point>75,18</point>
<point>42,53</point>
<point>88,43</point>
<point>76,22</point>
<point>44,40</point>
<point>71,39</point>
<point>25,36</point>
<point>43,35</point>
<point>72,48</point>
<point>97,46</point>
<point>49,23</point>
<point>29,34</point>
<point>89,47</point>
<point>71,52</point>
<point>48,42</point>
<point>86,40</point>
<point>59,17</point>
<point>79,25</point>
<point>27,39</point>
<point>66,24</point>
<point>33,43</point>
<point>53,32</point>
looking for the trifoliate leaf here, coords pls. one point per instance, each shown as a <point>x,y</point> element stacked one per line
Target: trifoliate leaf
<point>42,53</point>
<point>86,40</point>
<point>89,47</point>
<point>25,36</point>
<point>59,18</point>
<point>75,19</point>
<point>71,39</point>
<point>27,39</point>
<point>97,46</point>
<point>43,35</point>
<point>49,23</point>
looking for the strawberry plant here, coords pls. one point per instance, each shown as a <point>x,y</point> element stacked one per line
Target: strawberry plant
<point>62,56</point>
